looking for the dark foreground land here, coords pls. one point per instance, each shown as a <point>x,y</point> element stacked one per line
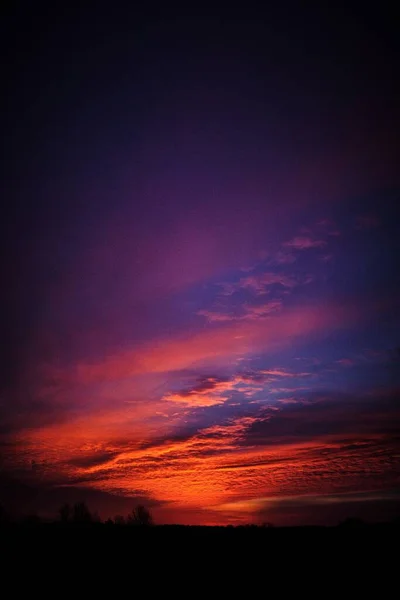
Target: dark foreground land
<point>351,561</point>
<point>374,538</point>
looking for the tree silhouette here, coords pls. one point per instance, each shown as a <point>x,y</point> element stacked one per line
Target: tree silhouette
<point>81,514</point>
<point>65,513</point>
<point>140,515</point>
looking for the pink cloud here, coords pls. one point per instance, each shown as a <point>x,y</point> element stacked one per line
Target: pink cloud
<point>228,289</point>
<point>217,317</point>
<point>283,373</point>
<point>257,283</point>
<point>262,310</point>
<point>283,258</point>
<point>346,362</point>
<point>304,243</point>
<point>260,283</point>
<point>248,313</point>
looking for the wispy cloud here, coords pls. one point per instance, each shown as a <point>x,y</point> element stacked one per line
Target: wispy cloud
<point>247,313</point>
<point>327,227</point>
<point>283,373</point>
<point>326,258</point>
<point>304,243</point>
<point>366,222</point>
<point>258,283</point>
<point>346,362</point>
<point>283,258</point>
<point>261,282</point>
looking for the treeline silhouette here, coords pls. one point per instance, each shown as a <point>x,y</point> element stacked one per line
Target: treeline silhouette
<point>79,514</point>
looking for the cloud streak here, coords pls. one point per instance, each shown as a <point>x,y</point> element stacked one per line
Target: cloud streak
<point>304,243</point>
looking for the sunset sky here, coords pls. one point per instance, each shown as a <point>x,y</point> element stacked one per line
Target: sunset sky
<point>200,265</point>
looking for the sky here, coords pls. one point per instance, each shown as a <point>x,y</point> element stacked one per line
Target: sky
<point>199,264</point>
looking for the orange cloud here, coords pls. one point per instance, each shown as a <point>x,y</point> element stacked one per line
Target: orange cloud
<point>229,468</point>
<point>210,391</point>
<point>193,399</point>
<point>212,471</point>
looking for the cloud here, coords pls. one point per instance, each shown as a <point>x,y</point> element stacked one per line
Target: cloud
<point>328,413</point>
<point>247,378</point>
<point>259,283</point>
<point>326,258</point>
<point>328,227</point>
<point>228,289</point>
<point>367,222</point>
<point>196,400</point>
<point>217,317</point>
<point>93,459</point>
<point>210,391</point>
<point>283,373</point>
<point>283,258</point>
<point>346,362</point>
<point>248,313</point>
<point>304,243</point>
<point>262,310</point>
